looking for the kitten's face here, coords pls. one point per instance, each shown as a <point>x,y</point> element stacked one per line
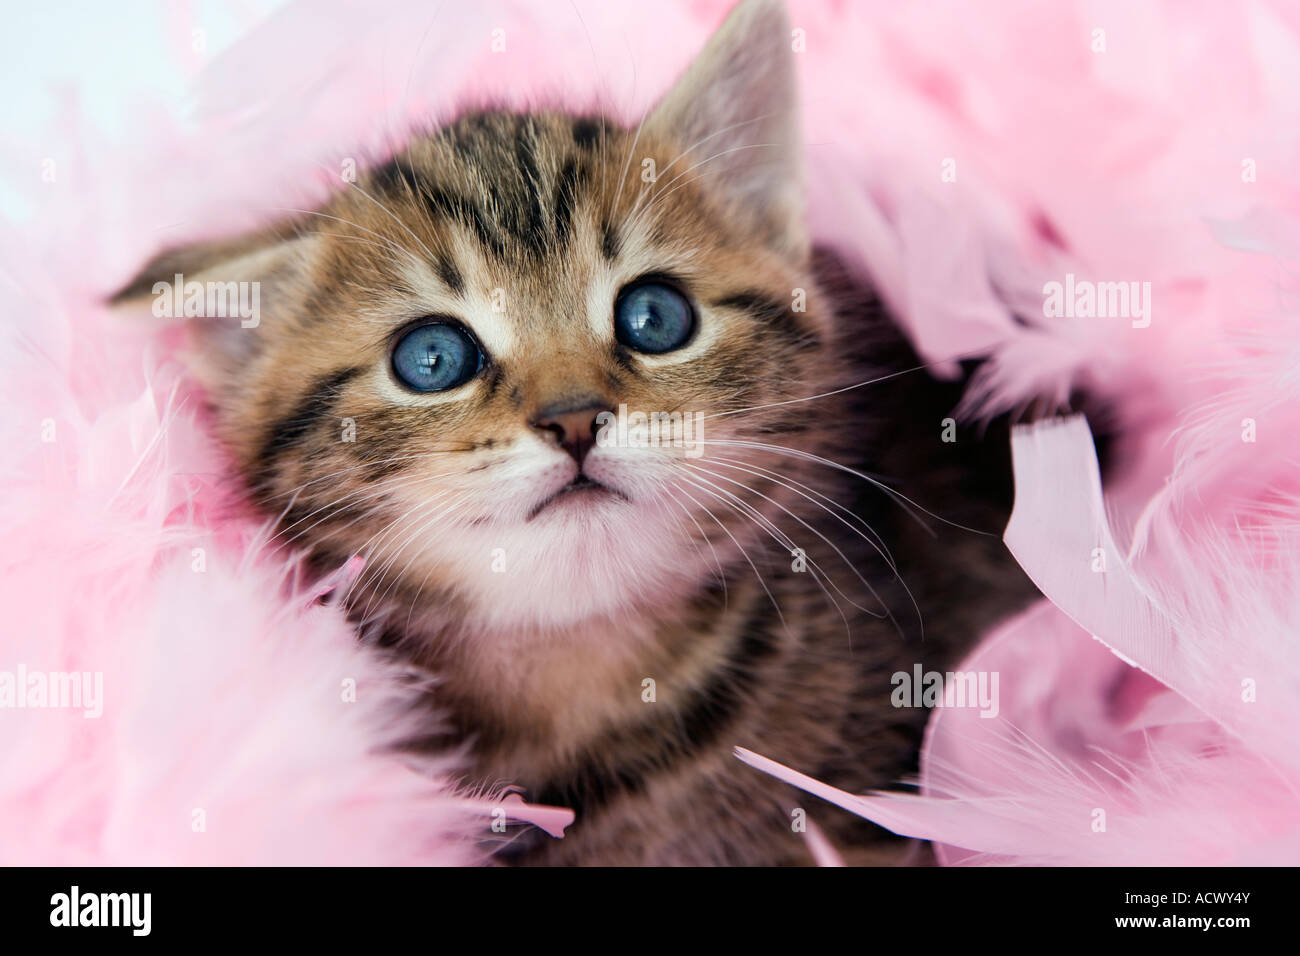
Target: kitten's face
<point>437,342</point>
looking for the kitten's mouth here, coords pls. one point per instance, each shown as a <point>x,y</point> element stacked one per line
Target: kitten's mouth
<point>581,485</point>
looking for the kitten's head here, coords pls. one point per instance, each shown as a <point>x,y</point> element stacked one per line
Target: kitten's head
<point>436,344</point>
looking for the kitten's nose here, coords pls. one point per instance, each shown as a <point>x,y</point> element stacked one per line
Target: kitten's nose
<point>572,424</point>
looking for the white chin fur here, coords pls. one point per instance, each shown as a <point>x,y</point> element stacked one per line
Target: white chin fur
<point>586,557</point>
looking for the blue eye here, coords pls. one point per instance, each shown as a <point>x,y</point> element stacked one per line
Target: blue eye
<point>436,357</point>
<point>653,317</point>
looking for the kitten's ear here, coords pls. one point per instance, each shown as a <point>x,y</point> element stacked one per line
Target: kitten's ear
<point>736,110</point>
<point>262,265</point>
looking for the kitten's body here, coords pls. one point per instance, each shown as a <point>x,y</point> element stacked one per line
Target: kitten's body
<point>544,606</point>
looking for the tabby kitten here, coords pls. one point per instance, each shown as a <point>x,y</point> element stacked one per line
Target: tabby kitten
<point>606,620</point>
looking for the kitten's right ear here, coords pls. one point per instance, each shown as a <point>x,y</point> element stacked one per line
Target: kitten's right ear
<point>244,271</point>
<point>736,110</point>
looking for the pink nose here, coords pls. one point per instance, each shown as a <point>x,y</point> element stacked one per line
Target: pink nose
<point>574,428</point>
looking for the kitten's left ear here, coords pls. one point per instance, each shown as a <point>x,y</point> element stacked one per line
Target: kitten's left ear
<point>273,262</point>
<point>736,110</point>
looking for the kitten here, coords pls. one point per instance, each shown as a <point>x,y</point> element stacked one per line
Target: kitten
<point>607,620</point>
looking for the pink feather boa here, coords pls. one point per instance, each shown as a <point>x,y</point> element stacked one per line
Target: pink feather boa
<point>227,733</point>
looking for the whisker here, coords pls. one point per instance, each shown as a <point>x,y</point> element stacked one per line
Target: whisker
<point>395,528</point>
<point>686,152</point>
<point>660,195</point>
<point>627,161</point>
<point>604,91</point>
<point>415,533</point>
<point>876,542</point>
<point>722,577</point>
<point>898,496</point>
<point>366,514</point>
<point>837,391</point>
<point>367,493</point>
<point>406,90</point>
<point>422,517</point>
<point>348,222</point>
<point>764,524</point>
<point>359,240</point>
<point>865,583</point>
<point>364,464</point>
<point>727,531</point>
<point>391,215</point>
